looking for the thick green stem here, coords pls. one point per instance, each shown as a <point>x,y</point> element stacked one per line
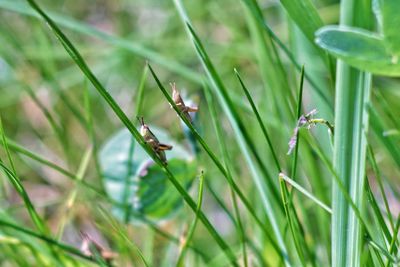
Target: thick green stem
<point>351,124</point>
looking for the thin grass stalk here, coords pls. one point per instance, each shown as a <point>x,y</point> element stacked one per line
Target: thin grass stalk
<point>392,249</point>
<point>46,239</point>
<point>260,122</point>
<point>57,128</point>
<point>231,217</point>
<point>70,201</point>
<point>349,157</point>
<point>299,104</point>
<point>181,258</point>
<point>89,124</point>
<point>226,159</point>
<point>138,107</point>
<point>291,223</point>
<point>121,230</point>
<point>380,220</point>
<point>276,85</point>
<point>378,126</point>
<point>306,193</point>
<point>16,182</point>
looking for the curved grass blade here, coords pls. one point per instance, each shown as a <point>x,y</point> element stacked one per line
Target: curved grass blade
<point>388,142</point>
<point>89,124</point>
<point>305,192</point>
<point>225,153</point>
<point>299,104</point>
<point>181,258</point>
<point>275,80</point>
<point>46,239</point>
<point>293,230</point>
<point>371,157</point>
<point>15,181</point>
<point>138,108</point>
<point>77,58</point>
<point>28,203</point>
<point>249,241</point>
<point>383,230</point>
<point>122,233</point>
<point>69,203</point>
<point>305,15</point>
<point>21,150</point>
<point>260,122</point>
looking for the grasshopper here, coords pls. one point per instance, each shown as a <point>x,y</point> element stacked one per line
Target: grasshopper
<point>90,247</point>
<point>180,104</point>
<point>152,141</point>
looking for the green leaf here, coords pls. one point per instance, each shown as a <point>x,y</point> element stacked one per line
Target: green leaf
<point>150,193</point>
<point>359,48</point>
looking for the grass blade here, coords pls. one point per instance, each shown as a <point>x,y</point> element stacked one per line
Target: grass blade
<point>138,108</point>
<point>293,230</point>
<point>192,228</point>
<point>226,159</point>
<point>299,104</point>
<point>351,124</point>
<point>15,181</point>
<point>260,122</point>
<point>46,239</point>
<point>69,203</point>
<point>305,192</point>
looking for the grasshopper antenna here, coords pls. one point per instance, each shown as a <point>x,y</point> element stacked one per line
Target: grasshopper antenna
<point>140,119</point>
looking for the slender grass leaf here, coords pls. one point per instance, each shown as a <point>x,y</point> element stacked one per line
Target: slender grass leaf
<point>69,249</point>
<point>226,159</point>
<point>306,193</point>
<point>192,228</point>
